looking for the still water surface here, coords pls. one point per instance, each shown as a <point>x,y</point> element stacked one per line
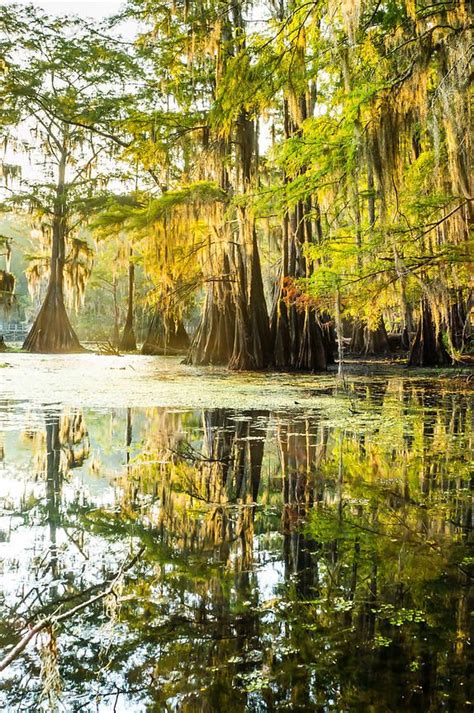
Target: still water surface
<point>268,543</point>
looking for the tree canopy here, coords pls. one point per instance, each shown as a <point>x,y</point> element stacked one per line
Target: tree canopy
<point>289,169</point>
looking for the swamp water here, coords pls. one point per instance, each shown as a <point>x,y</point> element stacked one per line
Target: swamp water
<point>239,542</point>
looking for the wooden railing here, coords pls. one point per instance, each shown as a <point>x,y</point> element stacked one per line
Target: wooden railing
<point>13,332</point>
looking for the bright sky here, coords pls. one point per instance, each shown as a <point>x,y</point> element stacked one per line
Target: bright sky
<point>84,8</point>
<point>96,9</point>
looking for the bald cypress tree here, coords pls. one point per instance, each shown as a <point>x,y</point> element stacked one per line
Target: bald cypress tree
<point>54,78</point>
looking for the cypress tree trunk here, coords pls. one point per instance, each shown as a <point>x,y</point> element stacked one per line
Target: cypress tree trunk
<point>357,337</point>
<point>407,315</point>
<point>369,342</point>
<point>214,339</point>
<point>428,348</point>
<point>252,348</point>
<point>7,286</point>
<point>128,342</point>
<point>312,352</point>
<point>329,338</point>
<point>52,331</point>
<point>376,341</point>
<point>366,341</point>
<point>165,336</point>
<point>116,333</point>
<point>296,334</point>
<point>458,318</point>
<point>259,321</point>
<point>242,357</point>
<point>280,316</point>
<point>339,333</point>
<point>234,328</point>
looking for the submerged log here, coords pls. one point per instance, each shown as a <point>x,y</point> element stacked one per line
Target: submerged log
<point>108,349</point>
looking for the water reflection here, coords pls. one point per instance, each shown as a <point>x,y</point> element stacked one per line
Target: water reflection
<point>288,564</point>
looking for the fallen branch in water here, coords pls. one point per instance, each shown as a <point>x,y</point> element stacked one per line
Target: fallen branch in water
<point>188,452</point>
<point>108,349</point>
<point>57,619</point>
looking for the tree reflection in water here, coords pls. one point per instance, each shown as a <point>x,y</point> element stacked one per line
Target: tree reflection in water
<point>289,564</point>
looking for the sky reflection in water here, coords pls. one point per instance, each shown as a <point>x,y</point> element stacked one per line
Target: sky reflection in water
<point>291,561</point>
